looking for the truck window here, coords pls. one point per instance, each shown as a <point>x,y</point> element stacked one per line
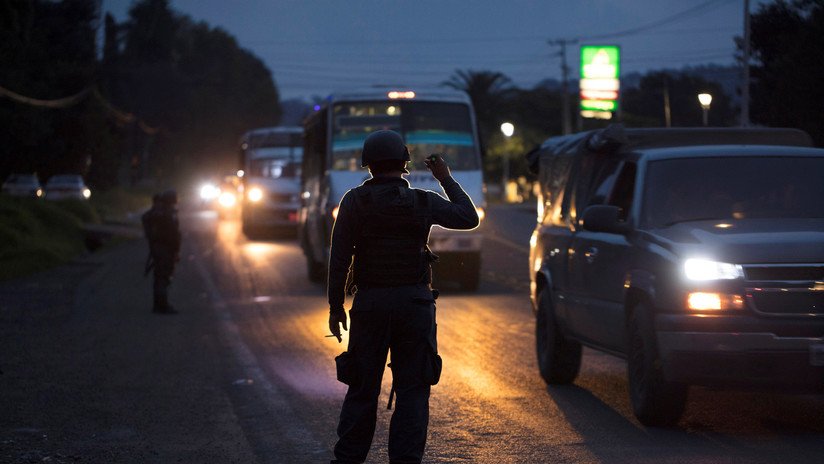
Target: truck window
<point>554,181</point>
<point>624,190</point>
<point>594,179</point>
<point>732,187</point>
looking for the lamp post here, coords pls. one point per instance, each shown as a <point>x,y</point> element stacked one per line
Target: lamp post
<point>507,129</point>
<point>705,100</point>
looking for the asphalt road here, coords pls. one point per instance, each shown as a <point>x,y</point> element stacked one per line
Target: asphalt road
<point>491,405</point>
<point>251,375</point>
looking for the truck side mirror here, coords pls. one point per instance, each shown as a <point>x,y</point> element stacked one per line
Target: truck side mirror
<point>604,218</point>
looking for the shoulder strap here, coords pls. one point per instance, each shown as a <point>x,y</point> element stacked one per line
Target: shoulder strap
<point>363,196</point>
<point>421,202</point>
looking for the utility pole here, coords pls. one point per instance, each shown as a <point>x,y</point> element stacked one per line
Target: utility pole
<point>667,112</point>
<point>745,80</point>
<point>567,123</point>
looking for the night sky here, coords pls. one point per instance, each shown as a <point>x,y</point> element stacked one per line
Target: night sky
<point>314,47</point>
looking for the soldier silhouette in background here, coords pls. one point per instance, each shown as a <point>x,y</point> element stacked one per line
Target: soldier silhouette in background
<point>382,230</point>
<point>162,231</point>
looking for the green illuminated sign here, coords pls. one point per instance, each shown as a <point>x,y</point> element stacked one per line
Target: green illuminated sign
<point>600,61</point>
<point>599,105</point>
<point>600,83</point>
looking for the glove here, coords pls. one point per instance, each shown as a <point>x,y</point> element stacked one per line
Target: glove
<point>439,168</point>
<point>337,316</point>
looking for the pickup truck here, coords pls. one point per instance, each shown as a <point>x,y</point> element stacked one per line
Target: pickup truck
<point>695,254</point>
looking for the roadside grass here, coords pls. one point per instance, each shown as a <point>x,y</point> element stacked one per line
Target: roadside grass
<point>36,234</point>
<point>116,204</point>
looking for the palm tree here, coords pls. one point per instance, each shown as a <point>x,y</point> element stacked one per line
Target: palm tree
<point>487,90</point>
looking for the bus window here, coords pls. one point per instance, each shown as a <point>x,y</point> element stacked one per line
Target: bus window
<point>427,127</point>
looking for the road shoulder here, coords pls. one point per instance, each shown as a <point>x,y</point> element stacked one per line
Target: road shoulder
<point>91,375</point>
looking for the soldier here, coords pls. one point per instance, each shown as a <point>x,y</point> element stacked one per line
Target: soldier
<point>382,230</point>
<point>163,233</point>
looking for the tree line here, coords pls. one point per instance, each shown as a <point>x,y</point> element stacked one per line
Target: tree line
<point>161,95</point>
<point>170,94</point>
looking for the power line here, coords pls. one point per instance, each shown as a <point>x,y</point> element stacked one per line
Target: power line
<point>698,9</point>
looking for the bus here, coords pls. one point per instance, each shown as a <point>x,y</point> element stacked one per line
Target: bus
<point>269,166</point>
<point>430,121</point>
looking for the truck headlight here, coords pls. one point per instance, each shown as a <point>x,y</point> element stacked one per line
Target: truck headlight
<point>255,194</point>
<point>704,269</point>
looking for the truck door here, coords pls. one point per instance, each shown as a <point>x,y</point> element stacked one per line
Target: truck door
<point>594,182</point>
<point>600,264</point>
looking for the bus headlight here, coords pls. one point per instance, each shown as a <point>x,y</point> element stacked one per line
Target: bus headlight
<point>209,192</point>
<point>481,213</point>
<point>227,199</point>
<point>255,194</point>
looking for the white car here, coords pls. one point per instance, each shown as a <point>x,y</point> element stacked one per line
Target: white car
<point>63,186</point>
<point>23,185</point>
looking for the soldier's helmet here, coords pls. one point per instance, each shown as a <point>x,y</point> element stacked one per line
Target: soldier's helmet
<point>383,145</point>
<point>169,197</point>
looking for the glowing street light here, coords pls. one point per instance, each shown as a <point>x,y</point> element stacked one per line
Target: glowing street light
<point>507,129</point>
<point>705,100</point>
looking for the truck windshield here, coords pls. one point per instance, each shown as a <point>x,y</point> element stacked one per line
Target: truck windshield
<point>427,127</point>
<point>683,190</point>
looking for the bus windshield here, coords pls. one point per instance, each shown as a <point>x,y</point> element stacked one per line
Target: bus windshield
<point>427,127</point>
<point>275,162</point>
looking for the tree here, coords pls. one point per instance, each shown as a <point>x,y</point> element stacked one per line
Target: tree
<point>787,39</point>
<point>487,90</point>
<point>175,94</point>
<point>644,105</point>
<point>48,51</point>
<point>195,84</point>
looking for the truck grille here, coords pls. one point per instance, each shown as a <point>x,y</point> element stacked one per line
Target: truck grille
<point>813,272</point>
<point>787,302</point>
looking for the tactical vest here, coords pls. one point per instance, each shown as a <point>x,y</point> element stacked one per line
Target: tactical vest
<point>390,249</point>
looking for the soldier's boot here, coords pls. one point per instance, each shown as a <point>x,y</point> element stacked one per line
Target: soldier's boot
<point>157,307</point>
<point>161,303</point>
<point>166,308</point>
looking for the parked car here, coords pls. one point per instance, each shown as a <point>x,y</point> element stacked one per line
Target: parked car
<point>695,254</point>
<point>23,185</point>
<point>63,186</point>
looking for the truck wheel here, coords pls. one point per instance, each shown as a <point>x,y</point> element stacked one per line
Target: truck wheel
<point>655,401</point>
<point>559,359</point>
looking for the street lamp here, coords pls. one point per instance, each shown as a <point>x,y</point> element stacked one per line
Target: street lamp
<point>507,129</point>
<point>705,100</point>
